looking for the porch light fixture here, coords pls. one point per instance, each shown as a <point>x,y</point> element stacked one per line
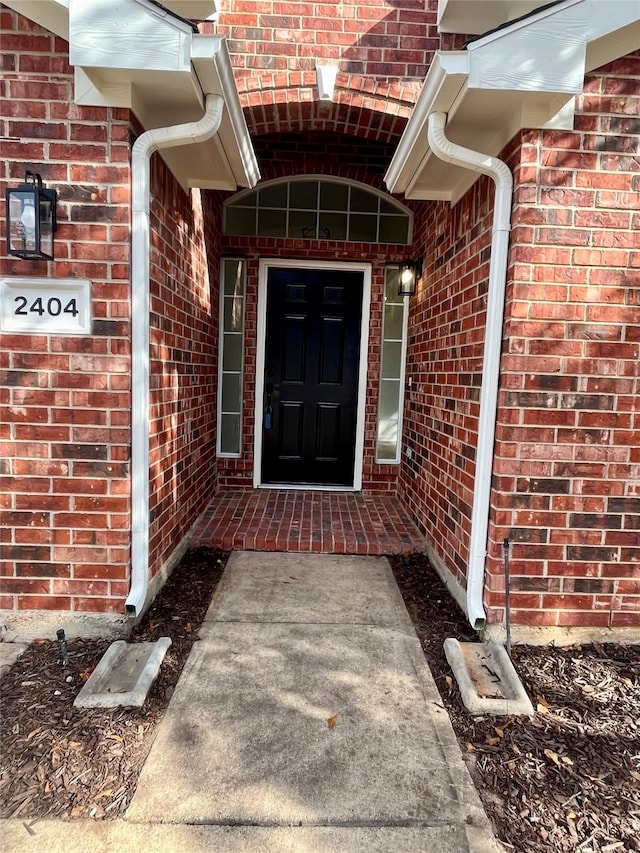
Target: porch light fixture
<point>31,219</point>
<point>409,274</point>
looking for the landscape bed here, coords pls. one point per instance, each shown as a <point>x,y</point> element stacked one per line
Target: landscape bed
<point>567,779</point>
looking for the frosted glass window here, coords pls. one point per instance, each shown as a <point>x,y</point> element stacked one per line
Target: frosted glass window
<point>394,344</point>
<point>232,297</point>
<point>318,209</point>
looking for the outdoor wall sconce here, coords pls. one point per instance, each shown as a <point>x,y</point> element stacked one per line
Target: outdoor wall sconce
<point>409,274</point>
<point>31,219</point>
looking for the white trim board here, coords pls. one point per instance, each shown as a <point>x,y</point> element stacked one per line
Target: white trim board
<point>274,263</point>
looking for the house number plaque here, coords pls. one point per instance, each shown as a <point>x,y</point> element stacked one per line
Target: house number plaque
<point>46,306</point>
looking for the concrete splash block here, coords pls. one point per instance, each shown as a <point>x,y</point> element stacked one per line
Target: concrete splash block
<point>124,675</point>
<point>487,679</point>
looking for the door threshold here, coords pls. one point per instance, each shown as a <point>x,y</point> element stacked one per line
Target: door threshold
<point>305,487</point>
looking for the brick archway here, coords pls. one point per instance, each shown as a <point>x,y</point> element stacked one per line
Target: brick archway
<point>288,102</point>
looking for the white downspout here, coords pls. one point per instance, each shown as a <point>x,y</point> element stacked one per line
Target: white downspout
<point>143,148</point>
<point>501,175</point>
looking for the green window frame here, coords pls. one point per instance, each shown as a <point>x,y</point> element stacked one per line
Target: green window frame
<point>392,370</point>
<point>313,207</point>
<point>231,357</point>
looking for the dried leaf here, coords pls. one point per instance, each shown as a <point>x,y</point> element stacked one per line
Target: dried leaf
<point>542,709</point>
<point>449,680</point>
<point>566,760</point>
<point>331,721</point>
<point>470,747</point>
<point>106,793</point>
<point>588,688</point>
<point>553,756</point>
<point>492,741</point>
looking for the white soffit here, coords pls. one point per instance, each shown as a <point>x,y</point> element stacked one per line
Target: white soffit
<point>194,10</point>
<point>133,54</point>
<point>523,75</point>
<point>479,16</point>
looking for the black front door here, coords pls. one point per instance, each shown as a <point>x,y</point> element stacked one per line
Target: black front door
<point>311,376</point>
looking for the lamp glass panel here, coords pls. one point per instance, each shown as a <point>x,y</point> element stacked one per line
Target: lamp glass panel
<point>23,222</point>
<point>46,227</point>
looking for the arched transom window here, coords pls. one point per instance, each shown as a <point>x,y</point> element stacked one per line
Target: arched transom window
<point>315,208</point>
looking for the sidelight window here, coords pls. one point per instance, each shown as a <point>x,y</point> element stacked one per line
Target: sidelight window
<point>232,295</point>
<point>318,209</point>
<point>394,344</point>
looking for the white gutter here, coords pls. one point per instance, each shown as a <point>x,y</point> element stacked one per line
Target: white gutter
<point>501,175</point>
<point>144,147</point>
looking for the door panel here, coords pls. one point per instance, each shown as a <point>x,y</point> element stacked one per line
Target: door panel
<point>312,356</point>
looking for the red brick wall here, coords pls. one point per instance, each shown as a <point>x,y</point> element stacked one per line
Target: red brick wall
<point>370,39</point>
<point>444,368</point>
<point>65,400</point>
<point>567,473</point>
<point>184,351</point>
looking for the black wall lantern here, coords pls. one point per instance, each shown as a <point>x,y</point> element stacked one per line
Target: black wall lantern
<point>409,275</point>
<point>31,219</point>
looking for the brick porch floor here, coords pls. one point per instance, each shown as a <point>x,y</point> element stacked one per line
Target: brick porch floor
<point>323,522</point>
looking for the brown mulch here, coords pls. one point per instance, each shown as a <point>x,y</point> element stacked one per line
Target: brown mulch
<point>66,762</point>
<point>567,780</point>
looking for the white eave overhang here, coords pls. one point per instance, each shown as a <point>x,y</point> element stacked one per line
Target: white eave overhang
<point>480,16</point>
<point>137,55</point>
<point>524,75</point>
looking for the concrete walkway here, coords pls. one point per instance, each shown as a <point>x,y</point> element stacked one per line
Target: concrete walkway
<point>305,720</point>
